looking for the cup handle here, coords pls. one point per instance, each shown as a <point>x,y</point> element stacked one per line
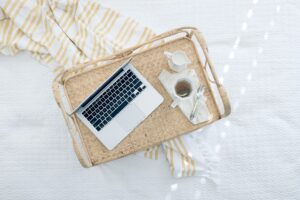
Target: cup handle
<point>174,104</point>
<point>168,54</point>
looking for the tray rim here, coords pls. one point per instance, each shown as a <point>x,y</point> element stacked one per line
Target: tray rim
<point>67,75</point>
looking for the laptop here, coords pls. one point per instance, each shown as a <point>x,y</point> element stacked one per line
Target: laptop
<point>118,105</point>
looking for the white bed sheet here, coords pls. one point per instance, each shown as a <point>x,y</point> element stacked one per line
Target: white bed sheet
<point>255,47</point>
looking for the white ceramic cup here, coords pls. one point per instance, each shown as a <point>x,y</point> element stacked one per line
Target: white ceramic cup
<point>182,89</point>
<point>177,60</point>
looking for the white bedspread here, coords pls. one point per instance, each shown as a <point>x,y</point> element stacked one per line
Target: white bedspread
<point>255,46</point>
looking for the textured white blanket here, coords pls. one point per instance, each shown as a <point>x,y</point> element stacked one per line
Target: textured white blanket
<point>255,46</point>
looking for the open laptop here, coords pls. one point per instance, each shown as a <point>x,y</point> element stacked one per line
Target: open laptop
<point>118,105</point>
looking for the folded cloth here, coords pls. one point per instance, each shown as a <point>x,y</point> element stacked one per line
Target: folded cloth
<point>62,33</point>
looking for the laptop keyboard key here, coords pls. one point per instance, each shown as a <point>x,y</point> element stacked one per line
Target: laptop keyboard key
<point>113,114</point>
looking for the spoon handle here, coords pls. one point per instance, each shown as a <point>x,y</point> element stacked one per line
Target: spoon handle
<point>192,115</point>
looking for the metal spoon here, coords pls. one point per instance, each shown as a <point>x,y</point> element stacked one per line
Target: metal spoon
<point>198,95</point>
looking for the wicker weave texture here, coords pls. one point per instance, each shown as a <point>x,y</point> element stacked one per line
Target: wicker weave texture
<point>163,124</point>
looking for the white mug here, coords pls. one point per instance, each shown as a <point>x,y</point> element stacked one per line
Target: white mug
<point>177,60</point>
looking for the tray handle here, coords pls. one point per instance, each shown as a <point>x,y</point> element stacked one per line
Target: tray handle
<point>81,153</point>
<point>220,87</point>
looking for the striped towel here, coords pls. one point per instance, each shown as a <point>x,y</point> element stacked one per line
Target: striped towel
<point>62,33</point>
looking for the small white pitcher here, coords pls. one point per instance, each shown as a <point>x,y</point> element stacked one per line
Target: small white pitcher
<point>177,60</point>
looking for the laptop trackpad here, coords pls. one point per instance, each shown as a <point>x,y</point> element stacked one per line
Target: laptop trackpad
<point>130,117</point>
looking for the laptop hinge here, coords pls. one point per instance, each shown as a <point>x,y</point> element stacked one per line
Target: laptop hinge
<point>101,87</point>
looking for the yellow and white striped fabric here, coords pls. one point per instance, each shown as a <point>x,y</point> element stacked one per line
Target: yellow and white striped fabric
<point>62,33</point>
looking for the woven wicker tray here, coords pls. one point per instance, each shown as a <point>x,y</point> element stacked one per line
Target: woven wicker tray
<point>74,85</point>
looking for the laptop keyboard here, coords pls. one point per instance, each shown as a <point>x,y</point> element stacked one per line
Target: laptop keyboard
<point>113,100</point>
